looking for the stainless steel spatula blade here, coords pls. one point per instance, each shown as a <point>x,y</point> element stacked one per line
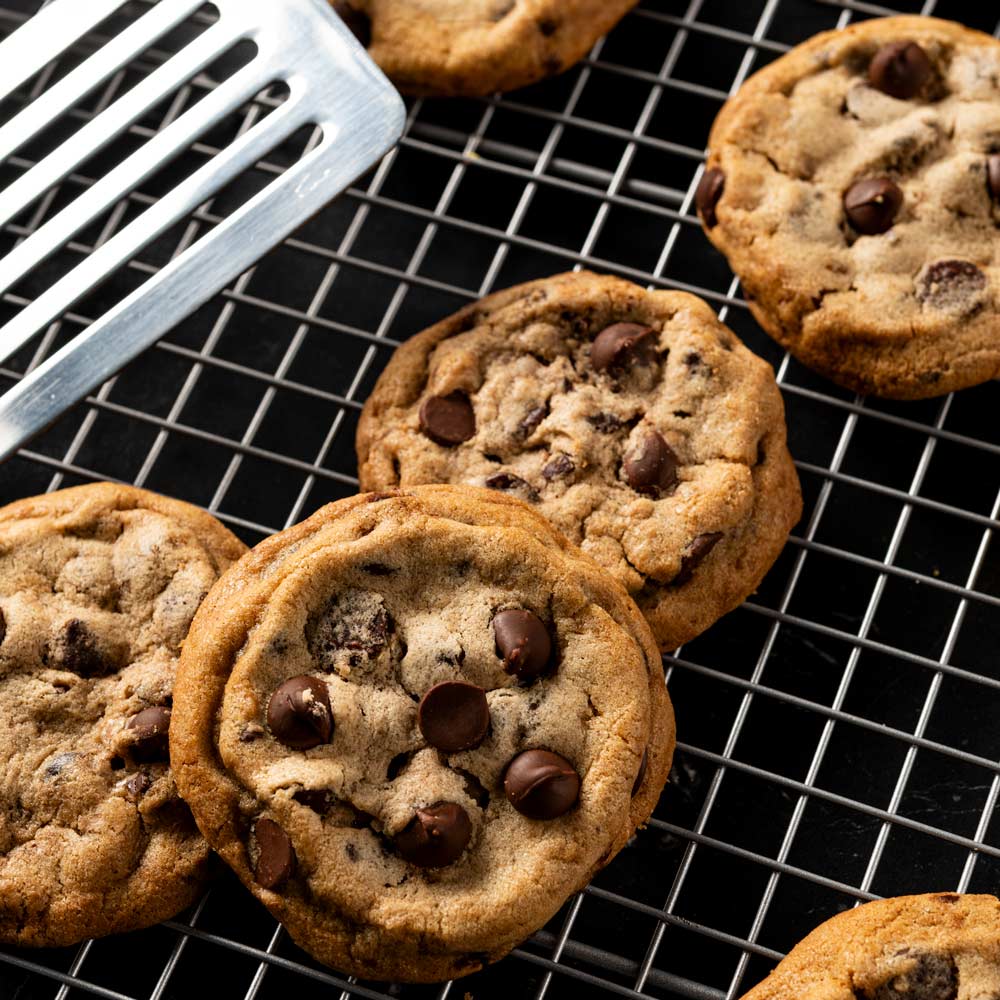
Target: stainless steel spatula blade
<point>301,44</point>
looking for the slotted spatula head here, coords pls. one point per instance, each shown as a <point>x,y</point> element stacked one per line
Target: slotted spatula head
<point>297,46</point>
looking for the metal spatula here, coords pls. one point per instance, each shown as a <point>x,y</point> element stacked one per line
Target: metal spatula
<point>331,84</point>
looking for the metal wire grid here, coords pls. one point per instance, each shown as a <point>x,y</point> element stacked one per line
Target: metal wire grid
<point>838,731</point>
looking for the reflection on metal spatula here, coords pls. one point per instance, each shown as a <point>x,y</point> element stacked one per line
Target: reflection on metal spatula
<point>332,84</point>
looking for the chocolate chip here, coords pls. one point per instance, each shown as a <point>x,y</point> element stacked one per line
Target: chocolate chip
<point>531,420</point>
<point>953,285</point>
<point>454,716</point>
<point>871,205</point>
<point>708,193</point>
<point>147,731</point>
<point>694,555</point>
<point>651,466</point>
<point>320,800</point>
<point>448,420</point>
<point>622,345</point>
<point>356,20</point>
<point>541,784</point>
<point>606,423</point>
<point>992,184</point>
<point>58,764</point>
<point>350,621</point>
<point>523,641</point>
<point>506,482</point>
<point>75,649</point>
<point>558,467</point>
<point>899,69</point>
<point>642,773</point>
<point>436,836</point>
<point>299,713</point>
<point>137,785</point>
<point>275,854</point>
<point>933,977</point>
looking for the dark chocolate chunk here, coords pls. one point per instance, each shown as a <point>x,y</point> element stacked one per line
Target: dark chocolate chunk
<point>137,785</point>
<point>320,800</point>
<point>454,716</point>
<point>992,184</point>
<point>900,69</point>
<point>357,20</point>
<point>531,420</point>
<point>695,553</point>
<point>541,784</point>
<point>708,193</point>
<point>871,205</point>
<point>436,836</point>
<point>148,734</point>
<point>523,641</point>
<point>641,773</point>
<point>954,285</point>
<point>507,482</point>
<point>448,420</point>
<point>933,977</point>
<point>558,467</point>
<point>299,713</point>
<point>75,649</point>
<point>275,854</point>
<point>622,345</point>
<point>349,622</point>
<point>651,466</point>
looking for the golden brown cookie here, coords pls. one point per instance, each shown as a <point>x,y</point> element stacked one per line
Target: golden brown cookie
<point>98,585</point>
<point>940,946</point>
<point>634,420</point>
<point>854,186</point>
<point>415,723</point>
<point>477,47</point>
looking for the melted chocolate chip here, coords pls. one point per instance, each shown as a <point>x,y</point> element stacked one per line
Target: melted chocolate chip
<point>623,345</point>
<point>651,466</point>
<point>137,785</point>
<point>992,181</point>
<point>448,420</point>
<point>637,784</point>
<point>275,854</point>
<point>148,731</point>
<point>75,649</point>
<point>933,977</point>
<point>541,785</point>
<point>356,20</point>
<point>871,205</point>
<point>349,622</point>
<point>694,555</point>
<point>900,69</point>
<point>558,467</point>
<point>708,193</point>
<point>507,482</point>
<point>953,285</point>
<point>531,421</point>
<point>299,713</point>
<point>523,641</point>
<point>454,716</point>
<point>436,836</point>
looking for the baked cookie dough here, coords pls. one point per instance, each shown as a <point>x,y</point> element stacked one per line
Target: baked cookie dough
<point>854,186</point>
<point>98,585</point>
<point>634,420</point>
<point>415,723</point>
<point>477,47</point>
<point>939,946</point>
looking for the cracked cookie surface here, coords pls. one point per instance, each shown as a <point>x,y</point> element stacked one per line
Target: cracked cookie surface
<point>477,47</point>
<point>854,186</point>
<point>938,946</point>
<point>98,585</point>
<point>634,420</point>
<point>415,723</point>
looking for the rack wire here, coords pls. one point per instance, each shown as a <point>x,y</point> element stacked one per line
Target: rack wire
<point>838,732</point>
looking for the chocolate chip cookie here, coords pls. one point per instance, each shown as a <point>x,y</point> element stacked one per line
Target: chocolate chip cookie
<point>415,723</point>
<point>477,47</point>
<point>854,185</point>
<point>634,420</point>
<point>98,585</point>
<point>933,947</point>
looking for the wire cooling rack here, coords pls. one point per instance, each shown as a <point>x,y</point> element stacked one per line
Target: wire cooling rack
<point>839,732</point>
